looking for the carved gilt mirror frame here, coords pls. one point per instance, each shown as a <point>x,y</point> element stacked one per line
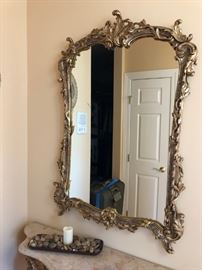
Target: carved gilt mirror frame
<point>122,33</point>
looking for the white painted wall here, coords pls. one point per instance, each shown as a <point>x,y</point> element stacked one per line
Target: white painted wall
<point>81,143</point>
<point>49,23</point>
<point>45,38</point>
<point>13,132</point>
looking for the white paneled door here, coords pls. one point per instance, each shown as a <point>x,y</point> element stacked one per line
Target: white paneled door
<point>149,129</point>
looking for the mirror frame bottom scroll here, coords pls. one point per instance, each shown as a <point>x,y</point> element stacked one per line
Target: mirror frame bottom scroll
<point>122,33</point>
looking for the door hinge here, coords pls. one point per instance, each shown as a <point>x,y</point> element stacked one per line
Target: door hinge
<point>128,157</point>
<point>129,99</point>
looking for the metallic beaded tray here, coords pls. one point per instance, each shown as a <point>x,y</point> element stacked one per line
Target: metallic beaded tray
<point>54,242</point>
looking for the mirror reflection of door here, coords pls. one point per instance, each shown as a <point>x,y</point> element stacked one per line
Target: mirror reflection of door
<point>130,121</point>
<point>149,109</point>
<point>146,74</point>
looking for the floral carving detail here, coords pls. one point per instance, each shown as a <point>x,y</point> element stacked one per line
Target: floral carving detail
<point>33,264</point>
<point>108,217</point>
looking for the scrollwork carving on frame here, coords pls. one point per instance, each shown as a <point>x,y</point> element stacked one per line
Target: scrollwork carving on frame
<point>33,264</point>
<point>122,33</point>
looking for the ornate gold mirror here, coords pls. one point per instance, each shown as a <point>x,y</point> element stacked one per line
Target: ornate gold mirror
<point>142,117</point>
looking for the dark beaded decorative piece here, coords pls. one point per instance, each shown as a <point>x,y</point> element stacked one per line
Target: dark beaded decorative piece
<point>54,242</point>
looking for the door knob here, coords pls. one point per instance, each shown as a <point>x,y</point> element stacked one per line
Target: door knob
<point>162,169</point>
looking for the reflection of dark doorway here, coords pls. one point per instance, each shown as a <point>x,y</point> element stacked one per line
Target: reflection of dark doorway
<point>102,61</point>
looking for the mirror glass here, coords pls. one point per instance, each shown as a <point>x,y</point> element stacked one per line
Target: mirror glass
<point>122,125</point>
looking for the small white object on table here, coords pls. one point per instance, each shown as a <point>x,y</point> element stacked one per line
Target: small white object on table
<point>67,235</point>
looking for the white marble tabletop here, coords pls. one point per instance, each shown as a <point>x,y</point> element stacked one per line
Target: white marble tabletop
<point>108,259</point>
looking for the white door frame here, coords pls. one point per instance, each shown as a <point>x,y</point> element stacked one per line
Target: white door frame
<point>153,74</point>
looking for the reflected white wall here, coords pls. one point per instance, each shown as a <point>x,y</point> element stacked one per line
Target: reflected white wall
<point>80,164</point>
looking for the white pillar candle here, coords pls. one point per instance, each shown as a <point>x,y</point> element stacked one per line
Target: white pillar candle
<point>67,235</point>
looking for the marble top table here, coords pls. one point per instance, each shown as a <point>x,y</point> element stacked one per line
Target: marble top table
<point>108,259</point>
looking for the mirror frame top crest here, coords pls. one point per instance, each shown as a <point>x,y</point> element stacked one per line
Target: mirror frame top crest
<point>123,33</point>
